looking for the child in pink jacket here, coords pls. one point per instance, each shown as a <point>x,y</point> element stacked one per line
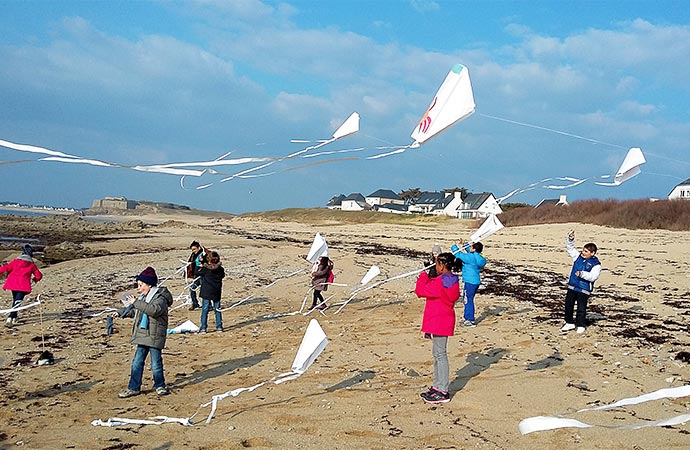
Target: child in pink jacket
<point>438,322</point>
<point>18,281</point>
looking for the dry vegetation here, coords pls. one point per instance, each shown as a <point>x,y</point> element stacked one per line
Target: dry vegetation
<point>672,215</point>
<point>324,215</point>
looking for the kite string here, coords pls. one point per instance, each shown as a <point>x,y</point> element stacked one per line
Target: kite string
<point>564,133</point>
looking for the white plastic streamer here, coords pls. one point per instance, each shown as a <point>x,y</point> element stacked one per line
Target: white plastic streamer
<point>21,308</point>
<point>313,343</point>
<point>543,423</point>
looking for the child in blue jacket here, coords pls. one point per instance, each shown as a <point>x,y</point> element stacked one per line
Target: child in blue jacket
<point>472,263</point>
<point>586,269</point>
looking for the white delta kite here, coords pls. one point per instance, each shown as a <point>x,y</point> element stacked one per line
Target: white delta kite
<point>453,102</point>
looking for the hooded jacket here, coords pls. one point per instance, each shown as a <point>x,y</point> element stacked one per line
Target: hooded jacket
<point>472,263</point>
<point>589,269</point>
<point>441,293</point>
<point>155,306</point>
<point>19,274</point>
<point>211,281</point>
<point>319,278</point>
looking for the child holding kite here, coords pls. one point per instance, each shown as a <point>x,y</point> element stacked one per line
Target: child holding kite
<point>19,272</point>
<point>211,275</point>
<point>586,269</point>
<point>473,261</point>
<point>149,331</point>
<point>438,322</point>
<point>196,259</point>
<point>320,277</point>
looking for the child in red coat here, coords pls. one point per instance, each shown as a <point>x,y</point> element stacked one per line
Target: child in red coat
<point>438,322</point>
<point>18,281</point>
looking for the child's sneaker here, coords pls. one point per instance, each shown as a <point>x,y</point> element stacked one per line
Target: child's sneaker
<point>468,324</point>
<point>436,396</point>
<point>219,329</point>
<point>568,327</point>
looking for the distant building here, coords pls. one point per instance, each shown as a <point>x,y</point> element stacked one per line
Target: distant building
<point>562,201</point>
<point>394,208</point>
<point>475,206</point>
<point>427,202</point>
<point>336,202</point>
<point>681,191</point>
<point>354,202</point>
<point>114,203</point>
<point>383,196</point>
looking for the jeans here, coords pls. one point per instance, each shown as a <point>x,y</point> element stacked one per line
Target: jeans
<point>17,297</point>
<point>438,350</point>
<point>570,298</point>
<point>205,307</point>
<point>470,291</point>
<point>138,361</point>
<point>318,298</point>
<point>192,292</point>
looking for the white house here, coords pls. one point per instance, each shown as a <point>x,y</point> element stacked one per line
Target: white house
<point>475,206</point>
<point>426,202</point>
<point>450,204</point>
<point>354,202</point>
<point>681,191</point>
<point>336,202</point>
<point>383,196</point>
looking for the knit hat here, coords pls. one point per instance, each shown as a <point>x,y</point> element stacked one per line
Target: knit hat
<point>436,249</point>
<point>28,250</point>
<point>148,276</point>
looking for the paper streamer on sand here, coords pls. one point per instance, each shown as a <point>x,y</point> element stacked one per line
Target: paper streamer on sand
<point>543,423</point>
<point>489,227</point>
<point>313,343</point>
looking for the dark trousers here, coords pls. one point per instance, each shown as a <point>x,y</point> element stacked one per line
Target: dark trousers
<point>17,297</point>
<point>318,298</point>
<point>581,298</point>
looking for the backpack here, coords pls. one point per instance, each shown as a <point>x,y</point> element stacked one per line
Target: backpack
<point>331,276</point>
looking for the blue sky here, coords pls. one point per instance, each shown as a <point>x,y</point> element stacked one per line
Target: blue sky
<point>134,82</point>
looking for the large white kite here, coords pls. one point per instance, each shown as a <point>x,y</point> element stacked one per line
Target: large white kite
<point>453,102</point>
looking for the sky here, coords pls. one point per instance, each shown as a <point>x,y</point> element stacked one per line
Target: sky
<point>561,89</point>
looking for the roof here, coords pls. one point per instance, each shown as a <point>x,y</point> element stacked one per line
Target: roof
<point>385,193</point>
<point>475,201</point>
<point>548,202</point>
<point>430,198</point>
<point>336,200</point>
<point>684,183</point>
<point>356,196</point>
<point>392,206</point>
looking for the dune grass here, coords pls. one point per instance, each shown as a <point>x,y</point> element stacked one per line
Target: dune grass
<point>325,215</point>
<point>673,215</point>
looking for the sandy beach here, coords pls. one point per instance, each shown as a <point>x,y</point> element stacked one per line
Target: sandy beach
<point>363,390</point>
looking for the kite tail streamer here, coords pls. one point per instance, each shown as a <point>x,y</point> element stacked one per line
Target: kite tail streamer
<point>397,277</point>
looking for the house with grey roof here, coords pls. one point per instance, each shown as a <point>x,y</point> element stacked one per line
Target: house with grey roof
<point>427,202</point>
<point>394,208</point>
<point>336,201</point>
<point>354,202</point>
<point>681,191</point>
<point>475,206</point>
<point>562,201</point>
<point>383,196</point>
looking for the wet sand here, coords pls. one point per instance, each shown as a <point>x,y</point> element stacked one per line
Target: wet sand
<point>363,391</point>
